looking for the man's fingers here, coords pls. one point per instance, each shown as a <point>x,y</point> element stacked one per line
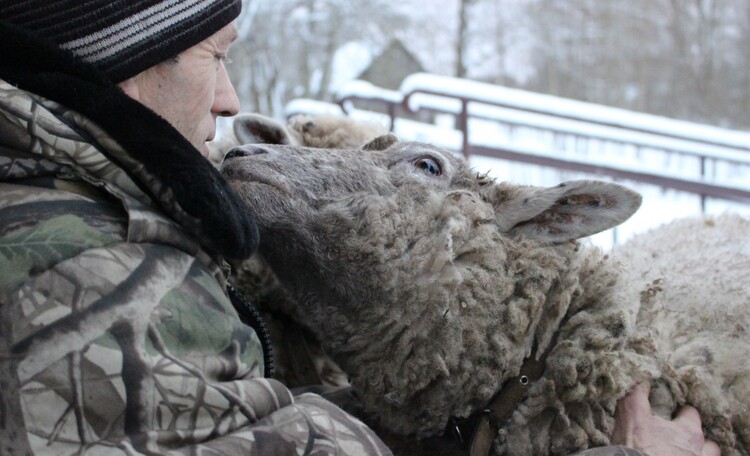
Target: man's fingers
<point>690,417</point>
<point>690,420</point>
<point>636,427</point>
<point>637,400</point>
<point>710,448</point>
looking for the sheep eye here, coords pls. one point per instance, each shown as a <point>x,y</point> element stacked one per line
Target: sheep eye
<point>428,165</point>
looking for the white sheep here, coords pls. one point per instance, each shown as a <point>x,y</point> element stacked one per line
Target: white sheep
<point>694,278</point>
<point>432,286</point>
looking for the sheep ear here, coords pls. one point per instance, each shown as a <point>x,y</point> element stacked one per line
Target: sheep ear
<point>571,210</point>
<point>381,142</point>
<point>257,129</point>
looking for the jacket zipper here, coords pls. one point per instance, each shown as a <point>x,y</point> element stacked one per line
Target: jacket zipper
<point>250,316</point>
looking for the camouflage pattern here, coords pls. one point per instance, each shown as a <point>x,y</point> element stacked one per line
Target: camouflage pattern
<point>615,450</point>
<point>117,336</point>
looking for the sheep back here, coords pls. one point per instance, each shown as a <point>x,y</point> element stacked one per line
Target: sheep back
<point>694,280</point>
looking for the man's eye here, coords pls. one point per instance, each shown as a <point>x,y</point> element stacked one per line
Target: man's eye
<point>224,59</point>
<point>428,165</point>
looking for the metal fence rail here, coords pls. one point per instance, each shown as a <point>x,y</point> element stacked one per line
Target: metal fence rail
<point>708,149</point>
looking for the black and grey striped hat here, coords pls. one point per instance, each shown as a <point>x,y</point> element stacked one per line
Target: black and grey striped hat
<point>122,37</point>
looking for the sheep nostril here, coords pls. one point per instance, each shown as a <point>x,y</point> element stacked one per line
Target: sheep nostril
<point>245,151</point>
<point>234,153</point>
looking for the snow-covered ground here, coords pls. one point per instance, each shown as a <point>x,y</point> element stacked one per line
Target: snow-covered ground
<point>647,143</point>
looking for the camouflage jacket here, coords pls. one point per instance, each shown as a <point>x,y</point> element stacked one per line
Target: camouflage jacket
<point>117,335</point>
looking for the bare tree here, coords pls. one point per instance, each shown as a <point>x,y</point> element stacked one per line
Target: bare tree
<point>679,58</point>
<point>461,36</point>
<point>288,48</point>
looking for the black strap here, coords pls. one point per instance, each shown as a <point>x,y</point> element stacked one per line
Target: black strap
<point>477,432</point>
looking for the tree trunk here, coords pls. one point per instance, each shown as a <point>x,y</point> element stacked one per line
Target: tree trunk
<point>462,38</point>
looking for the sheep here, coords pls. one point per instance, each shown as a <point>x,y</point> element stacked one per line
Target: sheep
<point>323,131</point>
<point>432,286</point>
<point>694,307</point>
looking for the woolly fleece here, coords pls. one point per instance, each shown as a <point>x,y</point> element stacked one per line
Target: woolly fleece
<point>430,290</point>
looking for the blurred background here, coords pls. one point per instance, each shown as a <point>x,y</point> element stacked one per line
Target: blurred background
<point>686,59</point>
<point>682,65</point>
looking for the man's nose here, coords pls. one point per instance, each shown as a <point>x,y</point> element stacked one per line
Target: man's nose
<point>226,103</point>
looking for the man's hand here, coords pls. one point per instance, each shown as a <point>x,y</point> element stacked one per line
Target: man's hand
<point>636,427</point>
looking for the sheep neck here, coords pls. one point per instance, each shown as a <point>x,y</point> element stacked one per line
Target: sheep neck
<point>477,432</point>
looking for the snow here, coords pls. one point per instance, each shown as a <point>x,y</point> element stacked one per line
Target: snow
<point>349,61</point>
<point>364,89</point>
<point>312,107</point>
<point>549,104</point>
<point>574,127</point>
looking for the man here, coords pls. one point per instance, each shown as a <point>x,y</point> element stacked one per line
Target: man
<point>118,335</point>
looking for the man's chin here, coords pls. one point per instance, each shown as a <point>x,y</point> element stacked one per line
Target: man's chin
<point>204,150</point>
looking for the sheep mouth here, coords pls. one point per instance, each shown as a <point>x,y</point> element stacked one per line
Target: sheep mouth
<point>240,176</point>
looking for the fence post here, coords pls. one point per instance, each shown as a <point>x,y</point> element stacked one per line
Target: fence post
<point>703,178</point>
<point>392,116</point>
<point>463,124</point>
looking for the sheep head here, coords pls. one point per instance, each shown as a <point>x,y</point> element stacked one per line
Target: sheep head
<point>428,283</point>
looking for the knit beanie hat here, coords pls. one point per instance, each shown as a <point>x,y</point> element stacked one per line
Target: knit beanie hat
<point>121,37</point>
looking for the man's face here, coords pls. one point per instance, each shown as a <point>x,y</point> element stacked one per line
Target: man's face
<point>191,92</point>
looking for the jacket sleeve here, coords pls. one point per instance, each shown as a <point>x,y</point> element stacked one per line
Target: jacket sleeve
<point>116,347</point>
<point>614,450</point>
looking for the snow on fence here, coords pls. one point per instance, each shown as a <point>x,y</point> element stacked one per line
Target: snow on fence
<point>680,167</point>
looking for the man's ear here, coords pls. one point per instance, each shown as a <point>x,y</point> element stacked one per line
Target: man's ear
<point>131,88</point>
<point>257,129</point>
<point>571,210</point>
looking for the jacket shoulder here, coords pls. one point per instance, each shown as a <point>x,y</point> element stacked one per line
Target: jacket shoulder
<point>40,227</point>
